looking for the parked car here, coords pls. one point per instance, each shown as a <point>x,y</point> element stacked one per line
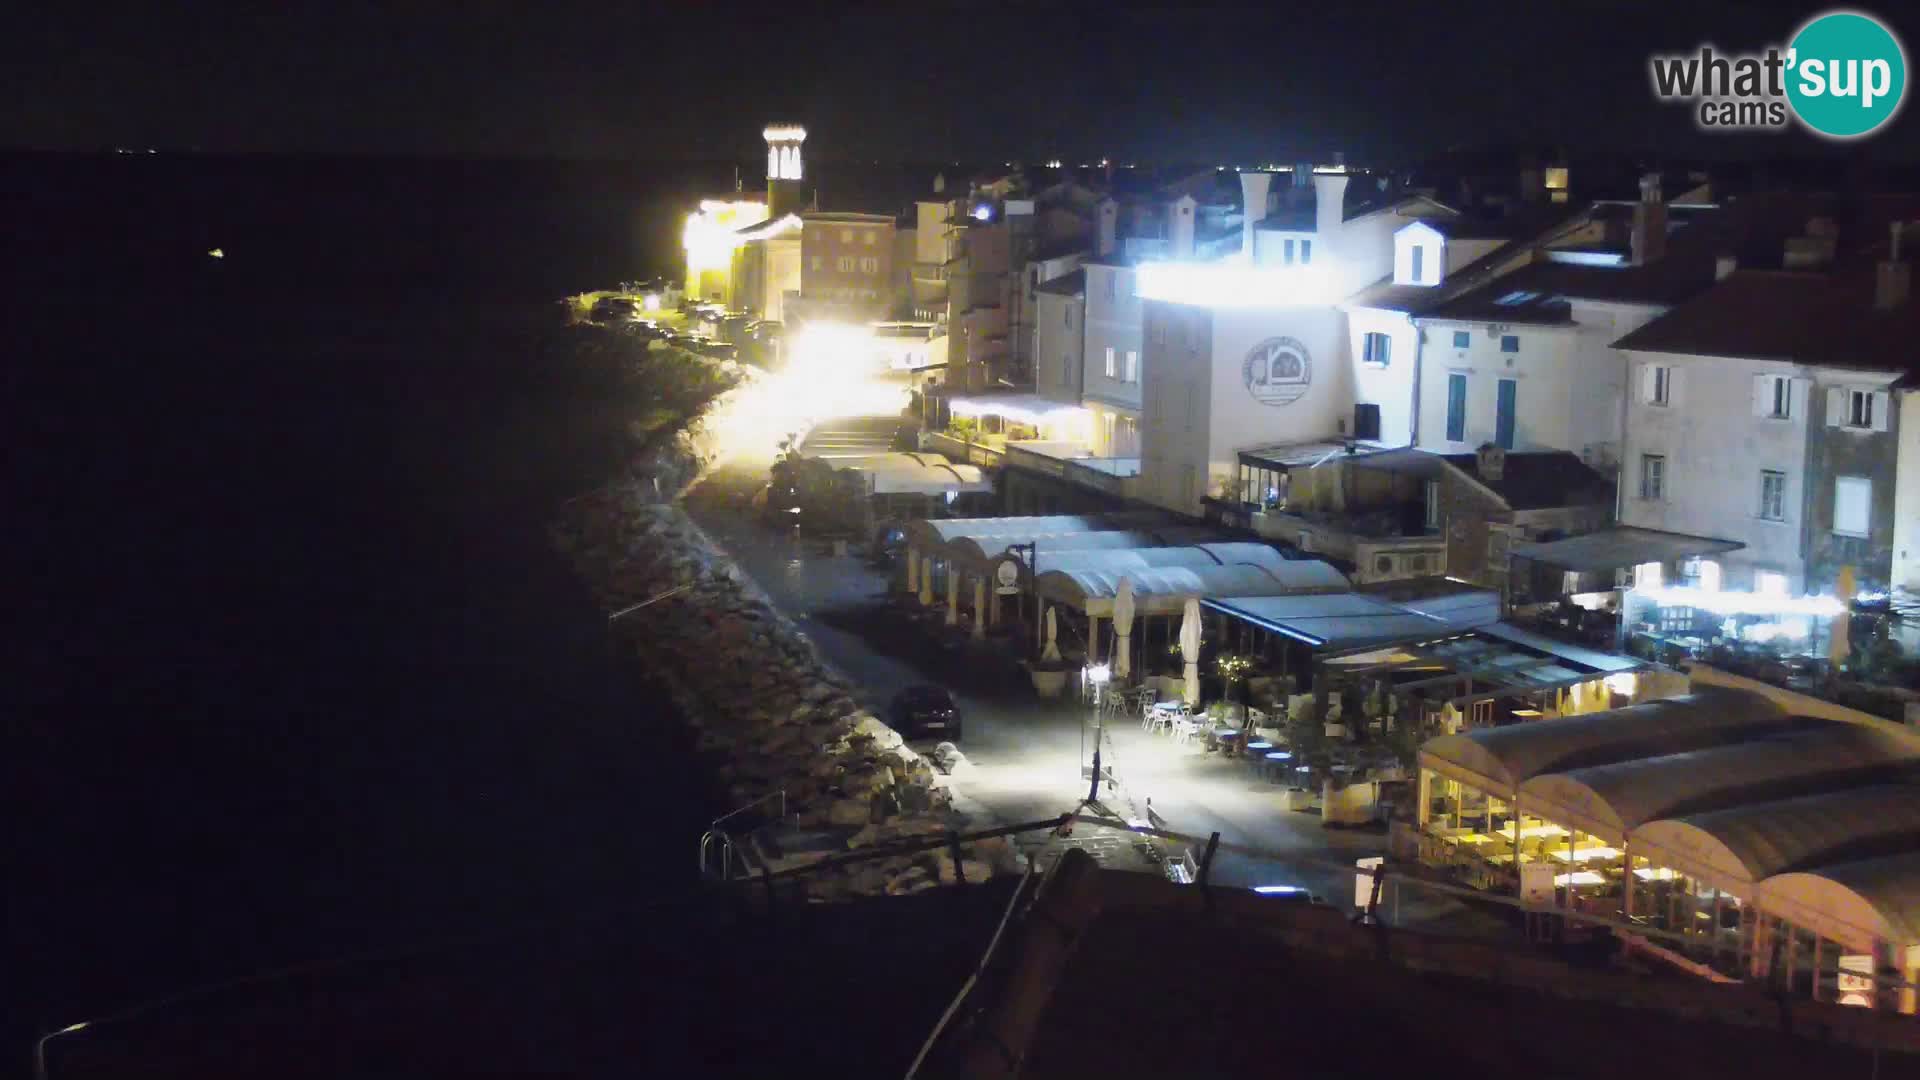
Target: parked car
<point>925,711</point>
<point>610,308</point>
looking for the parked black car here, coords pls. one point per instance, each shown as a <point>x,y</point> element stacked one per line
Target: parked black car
<point>925,712</point>
<point>609,308</point>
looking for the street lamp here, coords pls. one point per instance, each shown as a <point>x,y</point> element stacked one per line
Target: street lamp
<point>1097,675</point>
<point>40,1048</point>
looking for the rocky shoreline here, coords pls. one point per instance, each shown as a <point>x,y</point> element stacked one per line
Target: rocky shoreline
<point>770,713</point>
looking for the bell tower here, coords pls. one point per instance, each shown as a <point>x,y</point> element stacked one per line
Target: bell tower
<point>783,168</point>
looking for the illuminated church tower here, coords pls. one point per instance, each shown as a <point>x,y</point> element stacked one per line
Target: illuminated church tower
<point>783,169</point>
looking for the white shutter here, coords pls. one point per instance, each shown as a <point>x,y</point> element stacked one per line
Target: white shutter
<point>1802,398</point>
<point>1673,387</point>
<point>1763,395</point>
<point>1646,383</point>
<point>1836,406</point>
<point>1882,405</point>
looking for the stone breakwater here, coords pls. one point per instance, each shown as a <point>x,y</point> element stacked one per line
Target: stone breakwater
<point>768,710</point>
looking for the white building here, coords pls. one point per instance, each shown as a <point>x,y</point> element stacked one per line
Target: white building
<point>1254,349</point>
<point>1110,384</point>
<point>1434,262</point>
<point>1767,412</point>
<point>1060,336</point>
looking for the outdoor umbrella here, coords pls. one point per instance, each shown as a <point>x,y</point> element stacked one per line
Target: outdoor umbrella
<point>1841,644</point>
<point>1123,629</point>
<point>1190,650</point>
<point>1052,651</point>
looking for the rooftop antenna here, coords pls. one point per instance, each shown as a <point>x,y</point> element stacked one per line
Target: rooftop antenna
<point>736,179</point>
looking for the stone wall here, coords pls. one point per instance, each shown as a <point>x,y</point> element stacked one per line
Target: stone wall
<point>770,714</point>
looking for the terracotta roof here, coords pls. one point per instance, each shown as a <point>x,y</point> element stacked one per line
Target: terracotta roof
<point>1540,479</point>
<point>1073,284</point>
<point>1826,319</point>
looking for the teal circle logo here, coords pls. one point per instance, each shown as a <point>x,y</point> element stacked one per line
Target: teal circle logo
<point>1846,76</point>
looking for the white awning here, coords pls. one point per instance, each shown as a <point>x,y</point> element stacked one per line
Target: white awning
<point>1165,590</point>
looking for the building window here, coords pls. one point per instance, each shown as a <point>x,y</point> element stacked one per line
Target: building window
<point>1656,385</point>
<point>1066,317</point>
<point>1653,476</point>
<point>846,236</point>
<point>1419,259</point>
<point>1506,396</point>
<point>1647,575</point>
<point>1286,252</point>
<point>1131,373</point>
<point>1306,252</point>
<point>869,265</point>
<point>1462,339</point>
<point>1456,407</point>
<point>1113,369</point>
<point>867,237</point>
<point>1376,350</point>
<point>1773,397</point>
<point>1859,408</point>
<point>1773,495</point>
<point>1852,505</point>
<point>1510,343</point>
<point>845,264</point>
<point>817,262</point>
<point>1110,275</point>
<point>1066,371</point>
<point>1433,506</point>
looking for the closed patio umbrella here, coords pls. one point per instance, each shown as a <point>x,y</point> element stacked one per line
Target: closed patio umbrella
<point>1123,630</point>
<point>1840,646</point>
<point>1190,650</point>
<point>1052,651</point>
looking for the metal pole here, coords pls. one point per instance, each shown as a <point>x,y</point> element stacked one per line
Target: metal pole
<point>40,1048</point>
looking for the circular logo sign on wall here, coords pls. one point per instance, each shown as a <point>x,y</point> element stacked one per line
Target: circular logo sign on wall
<point>1278,371</point>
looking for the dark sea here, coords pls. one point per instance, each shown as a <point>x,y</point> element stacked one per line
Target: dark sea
<point>293,672</point>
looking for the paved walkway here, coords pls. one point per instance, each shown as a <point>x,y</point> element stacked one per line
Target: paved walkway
<point>1025,755</point>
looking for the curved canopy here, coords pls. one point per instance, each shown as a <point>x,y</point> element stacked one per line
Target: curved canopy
<point>1854,903</point>
<point>1134,559</point>
<point>1734,849</point>
<point>1500,759</point>
<point>977,554</point>
<point>905,474</point>
<point>928,534</point>
<point>1165,590</point>
<point>1612,799</point>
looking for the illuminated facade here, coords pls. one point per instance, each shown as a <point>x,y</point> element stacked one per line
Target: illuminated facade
<point>711,240</point>
<point>846,270</point>
<point>1243,351</point>
<point>784,168</point>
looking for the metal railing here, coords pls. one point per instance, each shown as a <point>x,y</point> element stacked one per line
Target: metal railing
<point>717,839</point>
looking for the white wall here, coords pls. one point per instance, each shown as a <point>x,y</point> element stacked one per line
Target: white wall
<point>930,233</point>
<point>1390,387</point>
<point>1059,344</point>
<point>1542,370</point>
<point>1906,504</point>
<point>1111,323</point>
<point>1715,449</point>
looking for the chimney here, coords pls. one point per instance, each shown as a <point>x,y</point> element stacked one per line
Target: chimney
<point>1107,232</point>
<point>1253,195</point>
<point>1649,240</point>
<point>1491,461</point>
<point>1180,223</point>
<point>939,183</point>
<point>1329,211</point>
<point>1724,266</point>
<point>1893,283</point>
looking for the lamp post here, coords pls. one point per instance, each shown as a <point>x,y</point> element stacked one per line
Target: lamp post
<point>1032,548</point>
<point>40,1048</point>
<point>1097,675</point>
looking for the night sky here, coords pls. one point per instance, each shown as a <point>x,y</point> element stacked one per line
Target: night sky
<point>917,81</point>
